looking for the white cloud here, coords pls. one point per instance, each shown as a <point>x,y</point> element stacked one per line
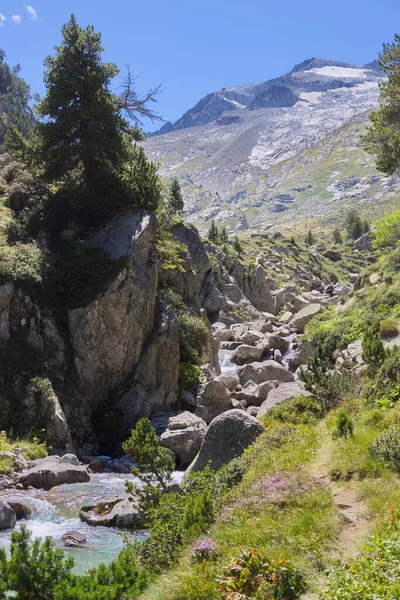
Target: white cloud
<point>2,19</point>
<point>16,19</point>
<point>31,11</point>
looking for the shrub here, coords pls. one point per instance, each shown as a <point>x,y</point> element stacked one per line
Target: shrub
<point>327,386</point>
<point>387,230</point>
<point>190,375</point>
<point>299,410</point>
<point>387,446</point>
<point>373,352</point>
<point>246,574</point>
<point>344,426</point>
<point>384,388</point>
<point>24,263</point>
<point>389,328</point>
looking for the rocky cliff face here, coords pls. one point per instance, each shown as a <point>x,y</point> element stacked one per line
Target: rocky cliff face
<point>116,359</point>
<point>283,150</point>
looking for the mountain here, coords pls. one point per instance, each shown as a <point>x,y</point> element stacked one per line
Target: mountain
<point>255,155</point>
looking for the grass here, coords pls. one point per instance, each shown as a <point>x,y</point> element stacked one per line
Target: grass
<point>29,449</point>
<point>301,531</point>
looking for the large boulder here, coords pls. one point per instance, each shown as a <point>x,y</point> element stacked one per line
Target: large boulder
<point>244,354</point>
<point>184,435</point>
<point>301,354</point>
<point>8,518</point>
<point>213,399</point>
<point>114,512</point>
<point>49,474</point>
<point>274,341</point>
<point>284,391</point>
<point>305,315</point>
<point>22,511</point>
<point>268,370</point>
<point>227,437</point>
<point>107,335</point>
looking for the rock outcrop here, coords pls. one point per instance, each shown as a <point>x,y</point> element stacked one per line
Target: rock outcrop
<point>184,435</point>
<point>49,474</point>
<point>227,437</point>
<point>113,512</point>
<point>107,336</point>
<point>8,518</point>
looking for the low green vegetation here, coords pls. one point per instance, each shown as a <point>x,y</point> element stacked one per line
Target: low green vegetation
<point>29,449</point>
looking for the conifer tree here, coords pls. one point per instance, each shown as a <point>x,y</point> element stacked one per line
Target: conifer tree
<point>237,245</point>
<point>176,199</point>
<point>354,225</point>
<point>213,234</point>
<point>154,460</point>
<point>309,239</point>
<point>82,131</point>
<point>383,135</point>
<point>223,236</point>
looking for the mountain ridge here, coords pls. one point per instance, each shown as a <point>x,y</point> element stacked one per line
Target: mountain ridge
<point>230,150</point>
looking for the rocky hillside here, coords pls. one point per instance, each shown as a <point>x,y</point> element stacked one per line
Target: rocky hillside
<point>282,151</point>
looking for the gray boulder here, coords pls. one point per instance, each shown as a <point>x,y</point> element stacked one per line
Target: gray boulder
<point>245,353</point>
<point>284,391</point>
<point>227,438</point>
<point>184,435</point>
<point>73,539</point>
<point>268,370</point>
<point>115,512</point>
<point>274,341</point>
<point>213,399</point>
<point>301,319</point>
<point>48,475</point>
<point>229,380</point>
<point>69,459</point>
<point>301,354</point>
<point>8,518</point>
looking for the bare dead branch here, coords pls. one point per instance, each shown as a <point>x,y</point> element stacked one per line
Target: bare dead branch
<point>135,106</point>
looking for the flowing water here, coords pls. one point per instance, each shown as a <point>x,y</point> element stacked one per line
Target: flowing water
<point>292,338</point>
<point>57,511</point>
<point>225,361</point>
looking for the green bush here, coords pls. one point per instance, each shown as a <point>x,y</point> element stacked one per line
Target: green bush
<point>24,263</point>
<point>190,375</point>
<point>344,426</point>
<point>387,446</point>
<point>373,352</point>
<point>387,230</point>
<point>246,574</point>
<point>299,410</point>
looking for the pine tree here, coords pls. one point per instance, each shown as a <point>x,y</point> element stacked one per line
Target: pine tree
<point>237,245</point>
<point>354,225</point>
<point>213,233</point>
<point>154,460</point>
<point>34,570</point>
<point>82,132</point>
<point>337,237</point>
<point>223,236</point>
<point>309,239</point>
<point>176,200</point>
<point>383,136</point>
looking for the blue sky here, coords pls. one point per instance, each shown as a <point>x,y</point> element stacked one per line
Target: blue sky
<point>192,48</point>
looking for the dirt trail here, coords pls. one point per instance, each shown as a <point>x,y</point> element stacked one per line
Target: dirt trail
<point>355,522</point>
